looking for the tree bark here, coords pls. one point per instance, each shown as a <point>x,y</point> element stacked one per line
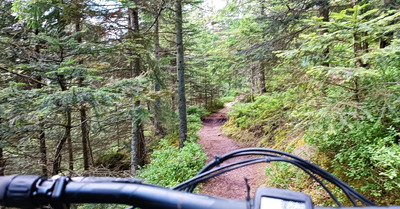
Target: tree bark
<point>262,77</point>
<point>181,74</point>
<point>70,149</point>
<point>2,162</point>
<point>253,81</point>
<point>359,45</point>
<point>158,128</point>
<point>138,140</point>
<point>384,42</point>
<point>42,134</point>
<point>43,152</point>
<point>357,48</point>
<point>323,10</point>
<point>60,145</point>
<point>261,69</point>
<point>85,138</point>
<point>67,130</point>
<point>82,110</point>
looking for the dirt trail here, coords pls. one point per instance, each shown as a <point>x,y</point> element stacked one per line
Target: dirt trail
<point>231,184</point>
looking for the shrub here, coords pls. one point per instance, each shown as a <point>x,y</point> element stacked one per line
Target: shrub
<point>171,165</point>
<point>227,99</point>
<point>197,111</point>
<point>215,105</point>
<point>367,156</point>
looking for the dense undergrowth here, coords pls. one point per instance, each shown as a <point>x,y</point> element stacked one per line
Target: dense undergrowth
<point>334,96</point>
<point>170,165</point>
<point>363,152</point>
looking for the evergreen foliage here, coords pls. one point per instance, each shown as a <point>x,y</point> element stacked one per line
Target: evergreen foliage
<point>315,75</point>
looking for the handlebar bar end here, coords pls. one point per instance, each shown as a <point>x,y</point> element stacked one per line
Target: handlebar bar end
<point>4,182</point>
<point>19,191</point>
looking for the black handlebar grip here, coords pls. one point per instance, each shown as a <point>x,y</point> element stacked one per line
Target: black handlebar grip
<point>16,191</point>
<point>4,182</point>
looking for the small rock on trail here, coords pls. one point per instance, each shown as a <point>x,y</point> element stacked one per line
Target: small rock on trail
<point>231,184</point>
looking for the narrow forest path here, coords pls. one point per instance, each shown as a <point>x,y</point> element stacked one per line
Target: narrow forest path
<point>231,184</point>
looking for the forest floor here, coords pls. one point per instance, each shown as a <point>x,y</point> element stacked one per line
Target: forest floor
<point>231,184</point>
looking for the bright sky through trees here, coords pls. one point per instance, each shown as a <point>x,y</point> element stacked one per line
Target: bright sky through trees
<point>218,4</point>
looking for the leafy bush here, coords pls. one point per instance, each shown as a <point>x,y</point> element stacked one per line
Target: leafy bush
<point>367,156</point>
<point>197,111</point>
<point>263,122</point>
<point>227,99</point>
<point>233,93</point>
<point>171,165</point>
<point>215,105</point>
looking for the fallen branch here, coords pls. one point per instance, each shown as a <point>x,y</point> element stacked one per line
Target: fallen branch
<point>23,76</point>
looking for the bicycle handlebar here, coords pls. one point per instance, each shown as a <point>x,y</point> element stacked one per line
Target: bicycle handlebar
<point>34,191</point>
<point>27,191</point>
<point>24,191</point>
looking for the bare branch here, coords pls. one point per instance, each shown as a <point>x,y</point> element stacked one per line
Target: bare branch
<point>23,76</point>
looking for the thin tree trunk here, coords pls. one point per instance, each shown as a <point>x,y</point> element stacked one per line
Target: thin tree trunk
<point>43,153</point>
<point>323,10</point>
<point>70,150</point>
<point>82,110</point>
<point>67,129</point>
<point>181,74</point>
<point>357,49</point>
<point>2,162</point>
<point>85,138</point>
<point>261,70</point>
<point>60,145</point>
<point>262,77</point>
<point>42,134</point>
<point>138,140</point>
<point>253,82</point>
<point>384,42</point>
<point>158,128</point>
<point>358,63</point>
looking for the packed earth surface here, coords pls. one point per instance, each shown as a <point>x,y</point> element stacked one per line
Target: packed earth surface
<point>231,184</point>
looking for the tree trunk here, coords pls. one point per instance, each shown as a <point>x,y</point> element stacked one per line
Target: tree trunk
<point>60,145</point>
<point>82,110</point>
<point>384,42</point>
<point>158,128</point>
<point>85,138</point>
<point>261,70</point>
<point>43,153</point>
<point>253,81</point>
<point>42,134</point>
<point>70,151</point>
<point>67,133</point>
<point>181,74</point>
<point>359,45</point>
<point>137,141</point>
<point>357,49</point>
<point>2,162</point>
<point>262,77</point>
<point>323,10</point>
